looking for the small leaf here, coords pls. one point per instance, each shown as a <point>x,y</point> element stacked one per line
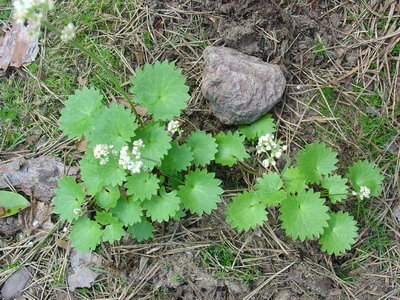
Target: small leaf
<point>336,186</point>
<point>161,88</point>
<point>294,180</point>
<point>69,198</point>
<point>304,215</point>
<point>11,203</point>
<point>85,234</point>
<point>201,192</point>
<point>127,211</point>
<point>141,231</point>
<point>78,112</point>
<point>108,198</point>
<point>268,189</point>
<point>203,145</point>
<point>142,186</point>
<point>245,212</point>
<point>105,218</point>
<point>340,233</point>
<point>364,173</point>
<point>113,232</point>
<point>258,128</point>
<point>230,148</point>
<point>161,208</point>
<point>177,159</point>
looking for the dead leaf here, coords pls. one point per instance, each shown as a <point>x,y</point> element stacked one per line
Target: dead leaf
<point>81,275</point>
<point>158,28</point>
<point>142,111</point>
<point>81,145</point>
<point>35,177</point>
<point>63,244</point>
<point>17,47</point>
<point>16,283</point>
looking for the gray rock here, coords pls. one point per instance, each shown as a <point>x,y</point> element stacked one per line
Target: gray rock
<point>239,87</point>
<point>81,275</point>
<point>9,226</point>
<point>16,283</point>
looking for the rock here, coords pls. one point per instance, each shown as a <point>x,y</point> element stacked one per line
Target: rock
<point>80,274</point>
<point>35,177</point>
<point>16,283</point>
<point>9,226</point>
<point>240,88</point>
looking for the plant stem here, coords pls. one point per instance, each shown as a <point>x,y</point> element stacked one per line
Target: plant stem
<point>110,75</point>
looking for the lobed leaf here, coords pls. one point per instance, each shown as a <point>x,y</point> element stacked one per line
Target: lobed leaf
<point>129,212</point>
<point>85,234</point>
<point>177,159</point>
<point>295,181</point>
<point>230,148</point>
<point>336,186</point>
<point>258,128</point>
<point>142,186</point>
<point>141,231</point>
<point>108,197</point>
<point>203,146</point>
<point>364,173</point>
<point>163,207</point>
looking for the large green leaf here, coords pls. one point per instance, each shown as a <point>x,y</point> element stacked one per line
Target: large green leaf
<point>203,146</point>
<point>230,148</point>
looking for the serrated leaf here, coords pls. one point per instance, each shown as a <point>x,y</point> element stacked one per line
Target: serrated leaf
<point>113,232</point>
<point>105,218</point>
<point>129,212</point>
<point>69,198</point>
<point>96,176</point>
<point>161,88</point>
<point>201,192</point>
<point>245,212</point>
<point>268,189</point>
<point>340,233</point>
<point>177,159</point>
<point>304,215</point>
<point>262,126</point>
<point>230,148</point>
<point>85,234</point>
<point>114,125</point>
<point>294,180</point>
<point>315,160</point>
<point>163,207</point>
<point>142,186</point>
<point>364,173</point>
<point>203,145</point>
<point>79,110</point>
<point>108,198</point>
<point>156,144</point>
<point>11,203</point>
<point>141,231</point>
<point>336,187</point>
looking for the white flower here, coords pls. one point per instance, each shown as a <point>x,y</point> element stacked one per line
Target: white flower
<point>274,149</point>
<point>365,192</point>
<point>76,211</point>
<point>131,161</point>
<point>68,32</point>
<point>101,152</point>
<point>173,127</point>
<point>265,163</point>
<point>354,193</point>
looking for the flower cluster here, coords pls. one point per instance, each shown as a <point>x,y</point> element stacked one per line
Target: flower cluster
<point>68,32</point>
<point>131,161</point>
<point>33,12</point>
<point>267,144</point>
<point>101,151</point>
<point>365,192</point>
<point>173,127</point>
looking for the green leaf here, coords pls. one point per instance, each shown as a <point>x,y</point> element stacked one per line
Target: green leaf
<point>316,160</point>
<point>112,126</point>
<point>161,208</point>
<point>11,203</point>
<point>336,187</point>
<point>108,198</point>
<point>364,173</point>
<point>161,88</point>
<point>203,145</point>
<point>96,176</point>
<point>129,212</point>
<point>105,218</point>
<point>230,148</point>
<point>304,215</point>
<point>141,231</point>
<point>79,109</point>
<point>201,192</point>
<point>113,232</point>
<point>85,234</point>
<point>69,198</point>
<point>258,128</point>
<point>245,212</point>
<point>340,233</point>
<point>294,180</point>
<point>177,159</point>
<point>268,189</point>
<point>142,186</point>
<point>156,143</point>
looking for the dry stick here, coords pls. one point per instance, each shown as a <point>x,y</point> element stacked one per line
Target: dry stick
<point>256,290</point>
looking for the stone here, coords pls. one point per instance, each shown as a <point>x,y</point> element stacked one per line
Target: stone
<point>81,273</point>
<point>239,87</point>
<point>16,283</point>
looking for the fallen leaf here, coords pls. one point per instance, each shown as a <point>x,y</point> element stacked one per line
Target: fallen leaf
<point>18,47</point>
<point>81,272</point>
<point>142,111</point>
<point>158,28</point>
<point>63,244</point>
<point>35,177</point>
<point>16,283</point>
<point>81,145</point>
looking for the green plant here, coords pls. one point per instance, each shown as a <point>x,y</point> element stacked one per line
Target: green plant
<point>11,203</point>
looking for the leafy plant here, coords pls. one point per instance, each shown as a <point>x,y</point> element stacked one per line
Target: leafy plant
<point>136,173</point>
<point>11,203</point>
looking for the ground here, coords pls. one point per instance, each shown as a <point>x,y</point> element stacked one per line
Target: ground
<point>341,61</point>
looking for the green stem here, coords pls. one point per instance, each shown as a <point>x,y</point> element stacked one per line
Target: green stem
<point>110,75</point>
